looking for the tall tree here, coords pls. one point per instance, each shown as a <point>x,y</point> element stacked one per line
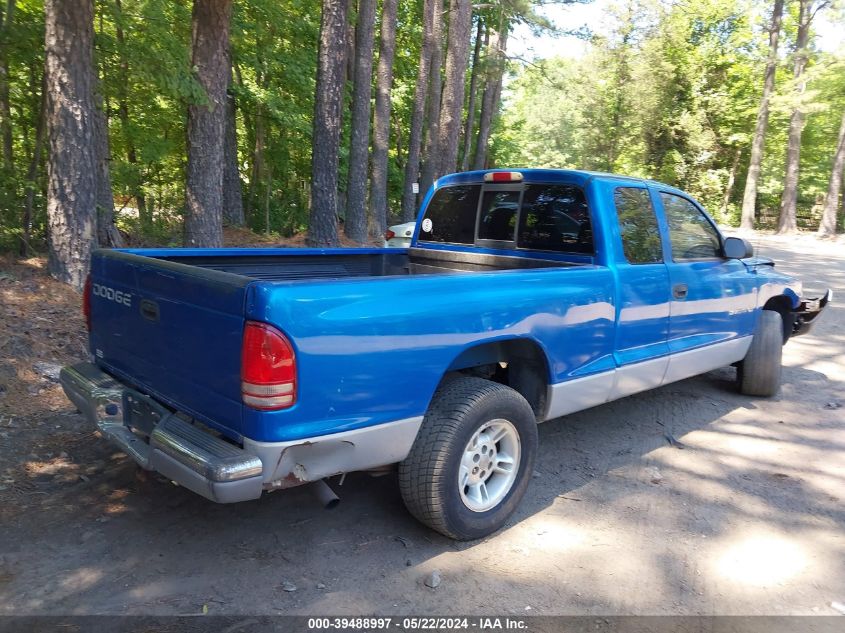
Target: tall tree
<point>787,223</point>
<point>107,233</point>
<point>136,186</point>
<point>210,22</point>
<point>831,200</point>
<point>6,17</point>
<point>749,198</point>
<point>432,137</point>
<point>322,225</point>
<point>457,57</point>
<point>381,117</point>
<point>30,184</point>
<point>72,185</point>
<point>412,166</point>
<point>469,125</point>
<point>355,226</point>
<point>492,93</point>
<point>233,203</point>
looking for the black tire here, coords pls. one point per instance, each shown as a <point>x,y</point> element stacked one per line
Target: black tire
<point>428,477</point>
<point>759,373</point>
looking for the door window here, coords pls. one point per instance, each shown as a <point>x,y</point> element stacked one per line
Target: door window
<point>692,234</point>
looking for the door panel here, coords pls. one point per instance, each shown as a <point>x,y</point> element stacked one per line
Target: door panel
<point>641,349</point>
<point>713,298</point>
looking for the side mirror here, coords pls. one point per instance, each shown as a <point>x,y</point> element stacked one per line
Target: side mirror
<point>737,248</point>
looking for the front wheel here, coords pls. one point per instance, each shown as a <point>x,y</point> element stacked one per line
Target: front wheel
<point>472,460</point>
<point>759,373</point>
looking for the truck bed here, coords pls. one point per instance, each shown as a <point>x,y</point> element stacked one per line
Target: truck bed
<point>302,264</point>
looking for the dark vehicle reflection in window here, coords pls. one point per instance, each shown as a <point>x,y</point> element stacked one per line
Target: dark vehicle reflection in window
<point>497,220</point>
<point>555,218</point>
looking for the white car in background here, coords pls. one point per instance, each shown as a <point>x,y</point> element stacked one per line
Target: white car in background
<point>399,235</point>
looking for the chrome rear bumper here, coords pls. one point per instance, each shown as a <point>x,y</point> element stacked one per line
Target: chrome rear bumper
<point>161,440</point>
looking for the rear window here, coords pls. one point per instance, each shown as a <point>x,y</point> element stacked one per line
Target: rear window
<point>497,220</point>
<point>543,217</point>
<point>450,216</point>
<point>555,218</point>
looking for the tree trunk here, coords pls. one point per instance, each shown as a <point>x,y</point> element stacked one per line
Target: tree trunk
<point>107,234</point>
<point>831,201</point>
<point>207,124</point>
<point>268,190</point>
<point>749,198</point>
<point>144,215</point>
<point>787,222</point>
<point>381,118</point>
<point>726,198</point>
<point>355,226</point>
<point>412,167</point>
<point>233,202</point>
<point>257,173</point>
<point>429,165</point>
<point>492,94</point>
<point>473,89</point>
<point>5,104</point>
<point>32,171</point>
<point>457,57</point>
<point>72,184</point>
<point>322,225</point>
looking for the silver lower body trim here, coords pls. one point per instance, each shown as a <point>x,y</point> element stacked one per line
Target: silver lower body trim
<point>288,464</point>
<point>590,391</point>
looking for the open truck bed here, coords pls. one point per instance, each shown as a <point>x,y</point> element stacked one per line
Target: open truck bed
<point>304,264</point>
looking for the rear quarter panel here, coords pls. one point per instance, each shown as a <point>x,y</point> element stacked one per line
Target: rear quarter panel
<point>373,351</point>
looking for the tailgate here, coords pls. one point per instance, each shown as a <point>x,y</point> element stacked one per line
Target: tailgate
<point>171,330</point>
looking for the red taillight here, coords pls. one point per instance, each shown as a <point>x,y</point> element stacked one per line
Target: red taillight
<point>503,176</point>
<point>86,302</point>
<point>268,368</point>
<point>389,235</point>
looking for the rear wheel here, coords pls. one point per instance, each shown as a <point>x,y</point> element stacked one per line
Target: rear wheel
<point>472,460</point>
<point>759,373</point>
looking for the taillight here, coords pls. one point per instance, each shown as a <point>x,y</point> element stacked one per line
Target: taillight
<point>389,235</point>
<point>268,368</point>
<point>86,302</point>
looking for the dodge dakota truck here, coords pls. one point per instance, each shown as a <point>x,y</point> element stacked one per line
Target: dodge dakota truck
<point>525,295</point>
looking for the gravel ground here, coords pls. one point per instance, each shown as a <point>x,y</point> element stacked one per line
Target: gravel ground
<point>740,514</point>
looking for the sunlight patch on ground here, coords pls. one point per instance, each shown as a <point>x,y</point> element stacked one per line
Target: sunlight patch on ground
<point>762,560</point>
<point>82,579</point>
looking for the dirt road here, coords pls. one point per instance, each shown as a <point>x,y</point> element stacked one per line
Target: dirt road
<point>742,514</point>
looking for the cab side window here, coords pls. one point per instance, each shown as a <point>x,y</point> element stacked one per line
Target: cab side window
<point>691,233</point>
<point>638,226</point>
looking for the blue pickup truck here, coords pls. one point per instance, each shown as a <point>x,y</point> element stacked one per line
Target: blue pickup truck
<point>524,296</point>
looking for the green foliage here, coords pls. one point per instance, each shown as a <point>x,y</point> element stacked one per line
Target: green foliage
<point>671,93</point>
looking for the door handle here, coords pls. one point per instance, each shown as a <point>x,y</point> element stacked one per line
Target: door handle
<point>679,291</point>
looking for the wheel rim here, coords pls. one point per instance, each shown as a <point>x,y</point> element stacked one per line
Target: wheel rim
<point>489,465</point>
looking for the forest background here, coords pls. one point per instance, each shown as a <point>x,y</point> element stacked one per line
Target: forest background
<point>158,122</point>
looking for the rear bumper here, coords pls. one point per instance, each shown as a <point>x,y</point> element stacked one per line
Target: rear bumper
<point>164,441</point>
<point>160,440</point>
<point>808,313</point>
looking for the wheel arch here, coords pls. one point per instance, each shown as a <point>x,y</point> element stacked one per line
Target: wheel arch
<point>519,362</point>
<point>783,305</point>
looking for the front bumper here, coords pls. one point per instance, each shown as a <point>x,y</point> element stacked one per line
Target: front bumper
<point>161,440</point>
<point>168,442</point>
<point>808,312</point>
